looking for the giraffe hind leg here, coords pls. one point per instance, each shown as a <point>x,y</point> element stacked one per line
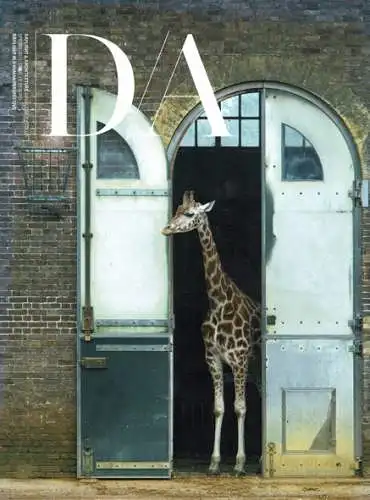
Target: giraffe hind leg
<point>239,374</point>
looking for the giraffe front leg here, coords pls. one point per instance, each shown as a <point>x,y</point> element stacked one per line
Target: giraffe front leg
<point>216,371</point>
<point>240,411</point>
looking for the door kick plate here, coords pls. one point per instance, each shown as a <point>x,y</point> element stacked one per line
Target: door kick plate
<point>94,362</point>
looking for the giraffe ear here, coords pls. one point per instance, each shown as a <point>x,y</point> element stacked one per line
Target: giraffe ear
<point>207,207</point>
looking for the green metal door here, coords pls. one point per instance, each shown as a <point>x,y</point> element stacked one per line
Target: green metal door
<point>125,341</point>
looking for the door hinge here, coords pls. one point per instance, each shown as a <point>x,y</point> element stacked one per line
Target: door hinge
<point>87,460</point>
<point>88,322</point>
<point>356,323</point>
<point>357,466</point>
<point>172,323</point>
<point>271,451</point>
<point>360,193</point>
<point>356,347</point>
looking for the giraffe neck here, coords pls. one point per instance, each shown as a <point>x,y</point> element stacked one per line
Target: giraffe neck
<point>213,271</point>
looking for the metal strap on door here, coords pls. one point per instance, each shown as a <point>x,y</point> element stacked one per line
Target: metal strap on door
<point>87,309</point>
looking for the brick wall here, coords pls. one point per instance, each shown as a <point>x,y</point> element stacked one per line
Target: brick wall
<point>320,46</point>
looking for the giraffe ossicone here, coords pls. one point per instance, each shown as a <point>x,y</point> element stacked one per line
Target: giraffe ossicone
<point>231,326</point>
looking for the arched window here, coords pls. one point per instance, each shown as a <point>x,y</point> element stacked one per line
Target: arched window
<point>242,116</point>
<point>115,158</point>
<point>300,162</point>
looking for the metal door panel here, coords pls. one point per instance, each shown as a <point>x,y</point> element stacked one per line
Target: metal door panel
<point>309,297</point>
<point>309,278</point>
<point>310,417</point>
<point>130,265</point>
<point>125,358</point>
<point>125,407</point>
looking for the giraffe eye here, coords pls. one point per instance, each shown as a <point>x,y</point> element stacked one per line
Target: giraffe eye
<point>187,214</point>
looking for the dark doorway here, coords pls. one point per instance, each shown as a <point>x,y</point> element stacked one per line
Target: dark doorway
<point>232,177</point>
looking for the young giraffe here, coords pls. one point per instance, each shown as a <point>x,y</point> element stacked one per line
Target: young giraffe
<point>231,326</point>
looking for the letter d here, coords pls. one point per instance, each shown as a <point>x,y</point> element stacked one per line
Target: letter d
<point>125,84</point>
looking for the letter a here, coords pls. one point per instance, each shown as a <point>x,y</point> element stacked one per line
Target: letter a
<point>204,87</point>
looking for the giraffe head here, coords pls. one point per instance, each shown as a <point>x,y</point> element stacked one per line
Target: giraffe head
<point>189,215</point>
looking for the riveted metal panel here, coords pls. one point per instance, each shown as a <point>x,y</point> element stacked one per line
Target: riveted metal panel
<point>310,406</point>
<point>310,300</point>
<point>125,408</point>
<point>125,361</point>
<point>312,263</point>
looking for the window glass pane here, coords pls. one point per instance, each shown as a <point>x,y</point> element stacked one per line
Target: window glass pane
<point>230,107</point>
<point>233,138</point>
<point>293,137</point>
<point>300,161</point>
<point>204,130</point>
<point>115,158</point>
<point>250,104</point>
<point>189,137</point>
<point>250,133</point>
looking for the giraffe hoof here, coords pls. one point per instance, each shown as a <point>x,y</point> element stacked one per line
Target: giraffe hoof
<point>239,472</point>
<point>239,467</point>
<point>213,472</point>
<point>214,468</point>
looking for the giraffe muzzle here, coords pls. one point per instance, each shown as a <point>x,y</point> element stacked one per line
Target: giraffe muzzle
<point>166,231</point>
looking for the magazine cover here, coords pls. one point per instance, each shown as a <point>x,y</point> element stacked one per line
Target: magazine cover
<point>184,238</point>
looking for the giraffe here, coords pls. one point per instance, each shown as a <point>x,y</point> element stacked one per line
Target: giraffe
<point>230,329</point>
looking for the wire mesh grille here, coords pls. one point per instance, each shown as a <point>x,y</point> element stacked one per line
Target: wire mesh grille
<point>46,172</point>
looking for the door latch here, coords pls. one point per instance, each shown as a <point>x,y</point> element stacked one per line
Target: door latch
<point>88,322</point>
<point>93,362</point>
<point>271,319</point>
